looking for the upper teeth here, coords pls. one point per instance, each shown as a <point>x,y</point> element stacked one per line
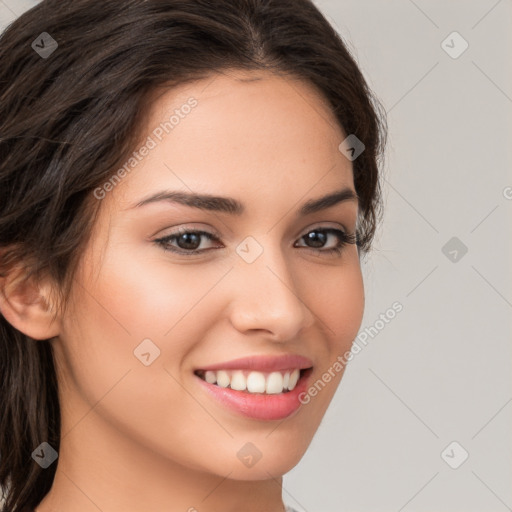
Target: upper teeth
<point>252,381</point>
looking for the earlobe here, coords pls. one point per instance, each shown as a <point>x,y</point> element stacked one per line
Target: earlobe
<point>27,306</point>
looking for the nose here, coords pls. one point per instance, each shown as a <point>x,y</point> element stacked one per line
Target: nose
<point>267,299</point>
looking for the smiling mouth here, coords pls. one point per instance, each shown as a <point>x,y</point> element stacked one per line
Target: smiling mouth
<point>255,382</point>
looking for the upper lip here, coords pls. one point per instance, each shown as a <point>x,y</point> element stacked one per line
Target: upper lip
<point>263,363</point>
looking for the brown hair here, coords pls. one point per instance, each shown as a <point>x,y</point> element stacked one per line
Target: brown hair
<point>69,118</point>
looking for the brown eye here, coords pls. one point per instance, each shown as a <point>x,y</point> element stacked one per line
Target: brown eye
<point>316,239</point>
<point>187,242</point>
<point>190,241</point>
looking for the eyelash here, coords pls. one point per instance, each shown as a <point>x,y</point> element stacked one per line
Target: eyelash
<point>343,237</point>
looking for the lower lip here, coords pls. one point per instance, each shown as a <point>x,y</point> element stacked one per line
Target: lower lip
<point>259,406</point>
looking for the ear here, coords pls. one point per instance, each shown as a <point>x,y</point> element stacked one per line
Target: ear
<point>26,305</point>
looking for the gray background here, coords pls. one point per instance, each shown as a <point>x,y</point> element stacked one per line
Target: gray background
<point>440,370</point>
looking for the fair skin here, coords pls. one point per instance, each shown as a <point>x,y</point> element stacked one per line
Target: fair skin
<point>138,437</point>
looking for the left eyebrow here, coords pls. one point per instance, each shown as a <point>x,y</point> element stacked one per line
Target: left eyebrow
<point>235,207</point>
<point>322,203</point>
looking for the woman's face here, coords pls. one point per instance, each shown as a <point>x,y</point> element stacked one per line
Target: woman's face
<point>142,318</point>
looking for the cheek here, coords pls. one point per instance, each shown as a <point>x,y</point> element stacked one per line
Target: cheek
<point>340,307</point>
<point>112,312</point>
<point>140,402</point>
<point>151,297</point>
<point>338,301</point>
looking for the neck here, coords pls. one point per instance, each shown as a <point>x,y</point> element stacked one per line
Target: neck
<point>99,468</point>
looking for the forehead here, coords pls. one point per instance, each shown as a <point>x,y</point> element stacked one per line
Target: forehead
<point>246,131</point>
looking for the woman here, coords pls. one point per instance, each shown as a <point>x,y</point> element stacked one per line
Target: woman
<point>187,188</point>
